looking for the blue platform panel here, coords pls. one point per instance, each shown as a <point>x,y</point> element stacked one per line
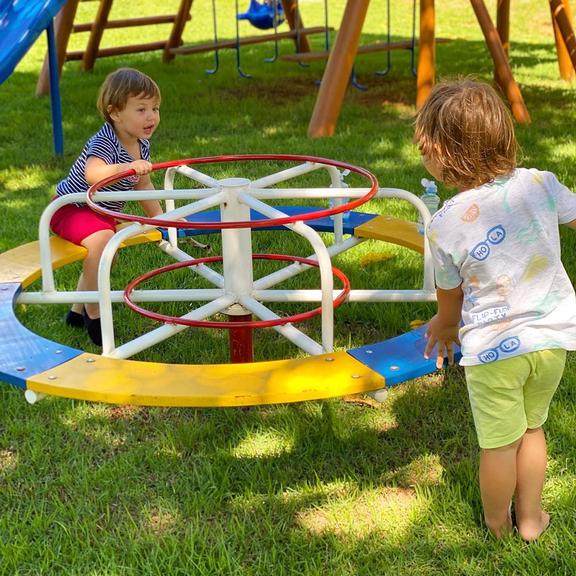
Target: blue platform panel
<point>399,359</point>
<point>351,220</point>
<point>23,353</point>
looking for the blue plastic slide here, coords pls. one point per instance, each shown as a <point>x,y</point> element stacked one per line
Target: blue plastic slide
<point>21,22</point>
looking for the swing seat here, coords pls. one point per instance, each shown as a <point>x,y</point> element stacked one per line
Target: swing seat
<point>262,15</point>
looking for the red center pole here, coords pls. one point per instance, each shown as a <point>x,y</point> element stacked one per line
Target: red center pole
<point>241,341</point>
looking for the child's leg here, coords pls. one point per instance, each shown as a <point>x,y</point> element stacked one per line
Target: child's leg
<point>86,228</point>
<point>78,307</point>
<point>95,244</point>
<point>498,473</point>
<point>531,472</point>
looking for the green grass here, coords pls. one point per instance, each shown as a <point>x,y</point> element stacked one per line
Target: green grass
<point>317,488</point>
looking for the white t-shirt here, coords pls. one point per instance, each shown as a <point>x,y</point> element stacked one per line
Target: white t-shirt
<point>501,242</point>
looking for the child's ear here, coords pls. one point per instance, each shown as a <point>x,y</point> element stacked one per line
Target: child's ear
<point>112,112</point>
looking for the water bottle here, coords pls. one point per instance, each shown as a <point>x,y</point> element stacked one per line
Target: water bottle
<point>431,200</point>
<point>332,202</point>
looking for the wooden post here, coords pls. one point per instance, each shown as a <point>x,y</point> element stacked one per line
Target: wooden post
<point>502,70</point>
<point>338,70</point>
<point>426,52</point>
<point>177,29</point>
<point>294,17</point>
<point>503,23</point>
<point>564,36</point>
<point>62,30</point>
<point>91,52</point>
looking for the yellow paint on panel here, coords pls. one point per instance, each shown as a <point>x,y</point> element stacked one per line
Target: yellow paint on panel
<point>22,264</point>
<point>392,230</point>
<point>100,379</point>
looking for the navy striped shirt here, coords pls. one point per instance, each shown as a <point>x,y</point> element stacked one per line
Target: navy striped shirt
<point>106,146</point>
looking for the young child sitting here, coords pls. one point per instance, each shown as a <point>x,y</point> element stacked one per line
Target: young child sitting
<point>129,102</point>
<point>502,290</point>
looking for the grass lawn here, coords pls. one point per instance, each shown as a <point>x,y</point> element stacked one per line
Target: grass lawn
<point>323,488</point>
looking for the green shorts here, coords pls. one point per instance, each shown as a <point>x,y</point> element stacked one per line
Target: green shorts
<point>510,396</point>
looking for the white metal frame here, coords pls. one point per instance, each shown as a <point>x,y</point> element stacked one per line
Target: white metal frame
<point>236,287</point>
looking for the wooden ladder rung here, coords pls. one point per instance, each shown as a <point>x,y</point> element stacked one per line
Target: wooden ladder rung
<point>245,41</point>
<point>365,49</point>
<point>129,22</point>
<point>118,50</point>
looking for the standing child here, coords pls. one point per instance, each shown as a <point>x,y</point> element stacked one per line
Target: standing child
<point>129,102</point>
<point>502,291</point>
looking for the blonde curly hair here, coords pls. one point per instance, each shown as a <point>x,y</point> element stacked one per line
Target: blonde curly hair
<point>467,130</point>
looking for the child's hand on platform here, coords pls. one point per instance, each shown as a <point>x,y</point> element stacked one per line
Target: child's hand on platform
<point>442,337</point>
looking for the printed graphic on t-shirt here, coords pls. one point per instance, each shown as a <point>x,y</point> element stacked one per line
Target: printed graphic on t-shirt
<point>494,236</point>
<point>506,346</point>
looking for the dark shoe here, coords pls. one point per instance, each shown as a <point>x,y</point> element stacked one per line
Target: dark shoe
<point>93,328</point>
<point>74,319</point>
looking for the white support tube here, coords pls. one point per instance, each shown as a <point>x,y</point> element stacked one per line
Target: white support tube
<point>289,332</point>
<point>337,180</point>
<point>206,201</point>
<point>236,242</point>
<point>298,268</point>
<point>207,294</point>
<point>44,237</point>
<point>198,176</point>
<point>201,269</point>
<point>166,330</point>
<point>171,204</point>
<point>117,296</point>
<point>104,269</point>
<point>32,397</point>
<point>105,266</point>
<point>304,295</point>
<point>428,284</point>
<point>287,174</point>
<point>324,265</point>
<point>307,193</point>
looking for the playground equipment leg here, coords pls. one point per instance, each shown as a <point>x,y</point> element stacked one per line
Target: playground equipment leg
<point>502,69</point>
<point>338,70</point>
<point>427,51</point>
<point>64,25</point>
<point>294,19</point>
<point>241,341</point>
<point>55,103</point>
<point>564,35</point>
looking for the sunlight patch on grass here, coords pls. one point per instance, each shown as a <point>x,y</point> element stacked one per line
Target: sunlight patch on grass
<point>159,520</point>
<point>24,178</point>
<point>425,470</point>
<point>376,258</point>
<point>263,444</point>
<point>385,511</point>
<point>8,460</point>
<point>271,131</point>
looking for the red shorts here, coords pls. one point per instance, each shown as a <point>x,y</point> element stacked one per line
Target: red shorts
<point>76,224</point>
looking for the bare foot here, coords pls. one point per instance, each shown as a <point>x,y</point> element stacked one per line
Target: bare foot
<point>531,531</point>
<point>503,529</point>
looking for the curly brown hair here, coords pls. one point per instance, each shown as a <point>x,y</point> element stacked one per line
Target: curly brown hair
<point>121,85</point>
<point>466,128</point>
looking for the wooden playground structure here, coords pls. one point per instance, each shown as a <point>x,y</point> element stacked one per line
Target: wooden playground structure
<point>340,59</point>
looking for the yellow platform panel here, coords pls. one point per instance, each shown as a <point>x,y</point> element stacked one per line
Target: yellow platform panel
<point>392,230</point>
<point>22,264</point>
<point>95,378</point>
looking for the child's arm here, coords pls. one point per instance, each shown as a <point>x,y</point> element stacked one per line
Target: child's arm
<point>443,329</point>
<point>572,224</point>
<point>97,169</point>
<point>152,208</point>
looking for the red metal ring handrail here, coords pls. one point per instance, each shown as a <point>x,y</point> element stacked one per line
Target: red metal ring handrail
<point>244,223</point>
<point>229,325</point>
